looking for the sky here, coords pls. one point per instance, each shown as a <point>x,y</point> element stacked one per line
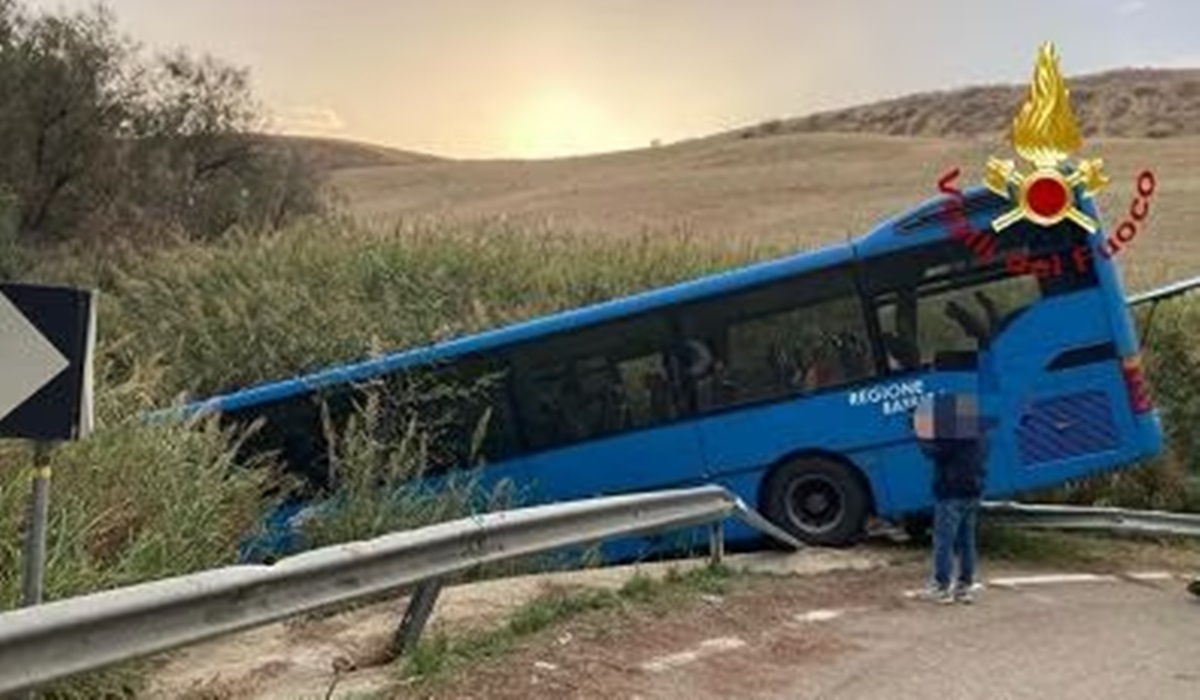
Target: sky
<point>543,78</point>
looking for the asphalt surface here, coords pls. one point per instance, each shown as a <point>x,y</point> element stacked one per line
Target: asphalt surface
<point>1112,639</point>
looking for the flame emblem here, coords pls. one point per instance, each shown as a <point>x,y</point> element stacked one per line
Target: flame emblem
<point>1046,134</point>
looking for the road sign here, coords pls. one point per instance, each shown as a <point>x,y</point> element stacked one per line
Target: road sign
<point>47,335</point>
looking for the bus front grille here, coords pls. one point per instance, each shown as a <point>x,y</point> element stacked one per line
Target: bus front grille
<point>1066,426</point>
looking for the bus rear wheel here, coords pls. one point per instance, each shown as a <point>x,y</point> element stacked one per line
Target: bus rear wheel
<point>819,501</point>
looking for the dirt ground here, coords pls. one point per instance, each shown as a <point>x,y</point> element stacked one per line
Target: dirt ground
<point>302,658</point>
<point>613,654</point>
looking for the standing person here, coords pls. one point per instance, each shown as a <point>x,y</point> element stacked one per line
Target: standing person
<point>951,433</point>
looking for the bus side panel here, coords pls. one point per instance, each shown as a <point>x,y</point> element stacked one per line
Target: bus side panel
<point>900,477</point>
<point>643,460</point>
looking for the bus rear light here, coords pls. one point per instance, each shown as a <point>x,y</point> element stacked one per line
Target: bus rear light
<point>1135,384</point>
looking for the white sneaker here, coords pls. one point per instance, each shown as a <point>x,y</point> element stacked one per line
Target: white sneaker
<point>966,594</point>
<point>935,594</point>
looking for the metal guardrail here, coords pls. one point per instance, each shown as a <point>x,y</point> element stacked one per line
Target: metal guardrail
<point>1092,518</point>
<point>54,640</point>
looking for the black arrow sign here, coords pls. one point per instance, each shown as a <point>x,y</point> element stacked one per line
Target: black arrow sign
<point>46,341</point>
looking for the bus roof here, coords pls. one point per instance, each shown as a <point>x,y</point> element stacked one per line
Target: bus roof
<point>886,235</point>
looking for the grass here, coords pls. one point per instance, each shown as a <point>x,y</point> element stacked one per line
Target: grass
<point>440,654</point>
<point>263,307</point>
<point>1087,550</point>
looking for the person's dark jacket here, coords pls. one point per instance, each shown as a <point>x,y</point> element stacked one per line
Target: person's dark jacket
<point>959,466</point>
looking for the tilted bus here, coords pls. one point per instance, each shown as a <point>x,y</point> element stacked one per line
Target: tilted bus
<point>791,381</point>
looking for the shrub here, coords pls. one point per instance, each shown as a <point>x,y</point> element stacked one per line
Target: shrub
<point>377,469</point>
<point>103,143</point>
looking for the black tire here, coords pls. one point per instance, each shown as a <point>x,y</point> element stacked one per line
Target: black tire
<point>820,501</point>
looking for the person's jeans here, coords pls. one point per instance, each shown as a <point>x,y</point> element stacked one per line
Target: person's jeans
<point>954,522</point>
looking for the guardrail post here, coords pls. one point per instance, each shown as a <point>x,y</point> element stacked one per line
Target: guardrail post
<point>416,615</point>
<point>716,542</point>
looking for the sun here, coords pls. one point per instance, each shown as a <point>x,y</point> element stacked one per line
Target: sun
<point>561,123</point>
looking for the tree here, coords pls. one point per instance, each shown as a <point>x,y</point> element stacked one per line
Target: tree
<point>100,140</point>
<point>62,104</point>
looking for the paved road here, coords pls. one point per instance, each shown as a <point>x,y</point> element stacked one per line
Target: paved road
<point>1122,639</point>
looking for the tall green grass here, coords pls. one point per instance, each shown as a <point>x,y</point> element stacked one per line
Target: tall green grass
<point>202,319</point>
<point>262,307</point>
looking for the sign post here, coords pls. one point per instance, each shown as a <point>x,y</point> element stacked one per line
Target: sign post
<point>47,337</point>
<point>34,570</point>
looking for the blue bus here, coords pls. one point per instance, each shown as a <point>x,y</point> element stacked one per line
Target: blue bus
<point>791,381</point>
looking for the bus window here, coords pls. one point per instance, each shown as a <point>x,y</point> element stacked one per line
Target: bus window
<point>460,406</point>
<point>596,382</point>
<point>803,334</point>
<point>294,429</point>
<point>941,300</point>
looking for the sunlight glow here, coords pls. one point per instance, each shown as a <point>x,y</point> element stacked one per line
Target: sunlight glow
<point>562,123</point>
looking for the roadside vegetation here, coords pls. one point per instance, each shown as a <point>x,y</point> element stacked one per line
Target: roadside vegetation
<point>1097,551</point>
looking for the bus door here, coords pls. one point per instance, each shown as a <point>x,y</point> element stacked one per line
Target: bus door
<point>934,338</point>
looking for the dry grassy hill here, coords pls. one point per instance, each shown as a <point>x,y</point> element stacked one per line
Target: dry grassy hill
<point>327,154</point>
<point>1135,103</point>
<point>809,187</point>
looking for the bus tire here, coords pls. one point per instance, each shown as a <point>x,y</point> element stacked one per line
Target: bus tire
<point>818,500</point>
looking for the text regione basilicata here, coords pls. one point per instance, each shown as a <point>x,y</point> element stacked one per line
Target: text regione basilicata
<point>895,398</point>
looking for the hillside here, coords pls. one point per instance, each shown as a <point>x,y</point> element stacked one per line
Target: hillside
<point>326,154</point>
<point>1131,103</point>
<point>807,187</point>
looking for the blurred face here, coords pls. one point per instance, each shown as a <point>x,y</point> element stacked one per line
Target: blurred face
<point>947,416</point>
<point>923,419</point>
